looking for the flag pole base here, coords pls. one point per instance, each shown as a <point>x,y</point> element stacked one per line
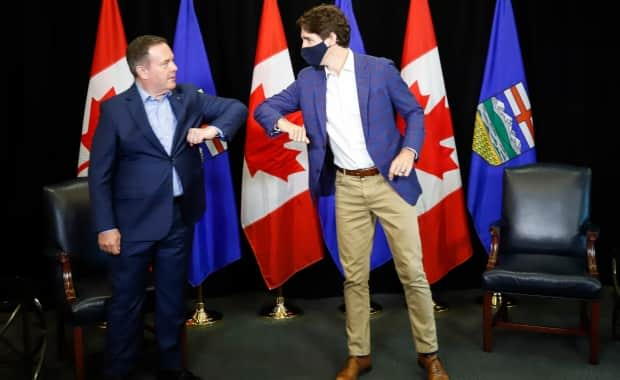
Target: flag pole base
<point>280,311</point>
<point>203,317</point>
<point>375,309</point>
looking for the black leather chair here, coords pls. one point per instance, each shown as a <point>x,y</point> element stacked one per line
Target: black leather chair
<point>79,277</point>
<point>546,248</point>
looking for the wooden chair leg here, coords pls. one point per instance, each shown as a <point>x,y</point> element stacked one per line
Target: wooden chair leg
<point>487,339</point>
<point>595,334</point>
<point>78,352</point>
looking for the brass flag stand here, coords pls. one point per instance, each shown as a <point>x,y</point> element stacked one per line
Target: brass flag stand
<point>203,317</point>
<point>281,310</point>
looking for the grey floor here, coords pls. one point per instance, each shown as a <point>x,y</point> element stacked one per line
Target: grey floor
<point>313,346</point>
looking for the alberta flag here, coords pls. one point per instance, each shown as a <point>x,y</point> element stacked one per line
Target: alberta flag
<point>503,129</point>
<point>216,235</point>
<point>327,204</point>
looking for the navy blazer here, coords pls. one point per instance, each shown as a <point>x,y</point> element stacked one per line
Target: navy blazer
<point>380,91</point>
<point>130,173</point>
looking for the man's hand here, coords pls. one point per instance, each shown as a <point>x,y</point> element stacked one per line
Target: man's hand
<point>295,132</point>
<point>198,135</point>
<point>402,165</point>
<point>110,241</point>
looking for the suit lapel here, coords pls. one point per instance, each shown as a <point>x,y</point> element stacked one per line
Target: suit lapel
<point>320,89</point>
<point>176,102</point>
<point>362,77</point>
<point>136,109</point>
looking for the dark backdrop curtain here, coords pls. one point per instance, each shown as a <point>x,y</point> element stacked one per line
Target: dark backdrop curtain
<point>567,49</point>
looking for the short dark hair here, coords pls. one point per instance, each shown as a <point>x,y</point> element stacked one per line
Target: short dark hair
<point>138,50</point>
<point>325,19</point>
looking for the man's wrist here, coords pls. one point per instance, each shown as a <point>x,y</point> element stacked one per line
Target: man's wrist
<point>220,134</point>
<point>279,125</point>
<point>415,152</point>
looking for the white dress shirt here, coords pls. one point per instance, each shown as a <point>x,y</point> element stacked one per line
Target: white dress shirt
<point>344,123</point>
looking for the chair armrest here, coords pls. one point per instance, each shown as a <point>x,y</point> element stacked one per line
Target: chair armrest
<point>64,260</point>
<point>495,230</point>
<point>591,238</point>
<point>591,231</point>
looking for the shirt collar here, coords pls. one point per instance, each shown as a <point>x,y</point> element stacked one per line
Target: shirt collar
<point>148,98</point>
<point>349,64</point>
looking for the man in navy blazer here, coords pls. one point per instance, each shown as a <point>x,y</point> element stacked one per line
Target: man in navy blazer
<point>356,150</point>
<point>147,191</point>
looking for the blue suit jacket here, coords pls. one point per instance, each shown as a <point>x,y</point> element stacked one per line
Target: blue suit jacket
<point>380,91</point>
<point>130,173</point>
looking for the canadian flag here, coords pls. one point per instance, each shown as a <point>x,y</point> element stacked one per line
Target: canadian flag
<point>109,75</point>
<point>277,212</point>
<point>442,218</point>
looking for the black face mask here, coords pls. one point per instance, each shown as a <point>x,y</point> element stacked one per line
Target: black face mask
<point>314,55</point>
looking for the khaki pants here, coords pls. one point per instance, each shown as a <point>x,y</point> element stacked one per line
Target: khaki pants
<point>359,201</point>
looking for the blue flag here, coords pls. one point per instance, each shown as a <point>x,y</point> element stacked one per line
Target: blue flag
<point>503,129</point>
<point>216,235</point>
<point>380,251</point>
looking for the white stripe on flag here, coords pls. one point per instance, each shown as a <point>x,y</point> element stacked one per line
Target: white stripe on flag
<point>216,146</point>
<point>526,133</point>
<point>514,105</point>
<point>274,73</point>
<point>264,193</point>
<point>426,70</point>
<point>523,95</point>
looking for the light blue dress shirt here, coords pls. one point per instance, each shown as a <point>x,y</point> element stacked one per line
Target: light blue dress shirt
<point>164,124</point>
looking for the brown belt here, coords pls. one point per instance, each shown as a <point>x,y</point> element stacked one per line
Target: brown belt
<point>359,172</point>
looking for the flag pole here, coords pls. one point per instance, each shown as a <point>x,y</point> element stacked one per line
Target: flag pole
<point>202,317</point>
<point>281,310</point>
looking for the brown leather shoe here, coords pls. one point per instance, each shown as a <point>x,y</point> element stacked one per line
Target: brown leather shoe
<point>434,369</point>
<point>354,367</point>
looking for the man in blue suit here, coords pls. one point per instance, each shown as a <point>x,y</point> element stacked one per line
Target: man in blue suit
<point>147,191</point>
<point>348,102</point>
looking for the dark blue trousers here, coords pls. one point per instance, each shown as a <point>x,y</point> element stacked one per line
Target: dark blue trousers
<point>128,274</point>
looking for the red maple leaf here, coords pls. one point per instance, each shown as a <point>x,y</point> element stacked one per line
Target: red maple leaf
<point>422,100</point>
<point>87,137</point>
<point>269,154</point>
<point>434,158</point>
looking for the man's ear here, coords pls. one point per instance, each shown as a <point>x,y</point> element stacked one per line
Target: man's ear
<point>142,72</point>
<point>332,39</point>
